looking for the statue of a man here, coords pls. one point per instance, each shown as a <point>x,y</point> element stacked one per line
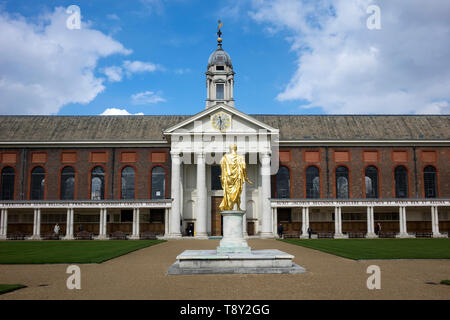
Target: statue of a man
<point>234,174</point>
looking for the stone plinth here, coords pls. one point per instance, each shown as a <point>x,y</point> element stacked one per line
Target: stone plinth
<point>233,240</point>
<point>257,261</point>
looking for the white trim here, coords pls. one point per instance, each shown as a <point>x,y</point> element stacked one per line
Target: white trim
<point>85,204</point>
<point>298,203</point>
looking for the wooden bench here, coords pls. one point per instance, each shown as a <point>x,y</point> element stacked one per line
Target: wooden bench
<point>424,235</point>
<point>384,234</point>
<point>291,234</point>
<point>50,236</point>
<point>118,235</point>
<point>16,235</point>
<point>356,234</point>
<point>325,235</point>
<point>84,235</point>
<point>148,235</point>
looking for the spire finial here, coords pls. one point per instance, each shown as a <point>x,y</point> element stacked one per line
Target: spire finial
<point>219,34</point>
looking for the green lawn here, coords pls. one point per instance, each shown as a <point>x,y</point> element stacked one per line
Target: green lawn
<point>358,249</point>
<point>40,252</point>
<point>4,288</point>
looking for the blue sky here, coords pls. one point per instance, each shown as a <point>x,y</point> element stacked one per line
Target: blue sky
<point>290,56</point>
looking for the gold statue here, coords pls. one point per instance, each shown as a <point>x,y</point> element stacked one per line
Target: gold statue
<point>234,174</point>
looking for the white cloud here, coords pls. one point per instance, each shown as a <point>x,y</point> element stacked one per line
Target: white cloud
<point>113,73</point>
<point>182,71</point>
<point>113,16</point>
<point>119,112</point>
<point>139,66</point>
<point>147,97</point>
<point>344,67</point>
<point>44,65</point>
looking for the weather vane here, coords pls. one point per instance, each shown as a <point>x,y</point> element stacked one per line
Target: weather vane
<point>219,33</point>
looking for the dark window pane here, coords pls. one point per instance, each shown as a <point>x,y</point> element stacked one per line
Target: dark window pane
<point>283,183</point>
<point>429,181</point>
<point>128,180</point>
<point>342,185</point>
<point>371,180</point>
<point>158,183</point>
<point>68,183</point>
<point>401,182</point>
<point>312,183</point>
<point>126,216</point>
<point>219,91</point>
<point>37,184</point>
<point>98,183</point>
<point>216,171</point>
<point>7,183</point>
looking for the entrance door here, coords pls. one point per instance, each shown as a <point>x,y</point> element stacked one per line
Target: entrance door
<point>216,217</point>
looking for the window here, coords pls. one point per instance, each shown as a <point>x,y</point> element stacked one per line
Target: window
<point>401,182</point>
<point>37,184</point>
<point>283,183</point>
<point>7,183</point>
<point>429,182</point>
<point>128,180</point>
<point>220,68</point>
<point>371,181</point>
<point>98,183</point>
<point>67,183</point>
<point>216,184</point>
<point>342,185</point>
<point>158,183</point>
<point>220,91</point>
<point>312,183</point>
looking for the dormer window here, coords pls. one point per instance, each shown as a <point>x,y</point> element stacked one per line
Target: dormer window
<point>220,68</point>
<point>219,91</point>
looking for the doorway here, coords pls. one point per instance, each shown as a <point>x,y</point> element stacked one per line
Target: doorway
<point>216,217</point>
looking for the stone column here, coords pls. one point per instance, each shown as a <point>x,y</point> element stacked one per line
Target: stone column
<point>305,223</point>
<point>36,225</point>
<point>338,224</point>
<point>244,208</point>
<point>435,222</point>
<point>275,222</point>
<point>403,230</point>
<point>166,222</point>
<point>174,221</point>
<point>266,226</point>
<point>102,227</point>
<point>4,224</point>
<point>69,225</point>
<point>136,221</point>
<point>202,204</point>
<point>370,224</point>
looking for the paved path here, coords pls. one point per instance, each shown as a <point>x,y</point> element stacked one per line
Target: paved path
<point>142,275</point>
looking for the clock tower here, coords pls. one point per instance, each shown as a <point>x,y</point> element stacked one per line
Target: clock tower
<point>219,76</point>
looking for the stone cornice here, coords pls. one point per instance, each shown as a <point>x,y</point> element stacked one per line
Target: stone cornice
<point>298,203</point>
<point>157,204</point>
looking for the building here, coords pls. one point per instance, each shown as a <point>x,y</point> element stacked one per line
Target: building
<point>339,175</point>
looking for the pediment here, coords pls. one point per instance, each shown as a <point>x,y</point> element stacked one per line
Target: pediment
<point>241,123</point>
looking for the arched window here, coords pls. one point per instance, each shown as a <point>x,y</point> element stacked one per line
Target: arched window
<point>67,183</point>
<point>429,182</point>
<point>342,185</point>
<point>401,182</point>
<point>158,183</point>
<point>371,180</point>
<point>98,183</point>
<point>283,183</point>
<point>312,183</point>
<point>7,183</point>
<point>37,184</point>
<point>128,183</point>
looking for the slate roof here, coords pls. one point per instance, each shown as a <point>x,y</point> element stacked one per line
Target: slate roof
<point>292,127</point>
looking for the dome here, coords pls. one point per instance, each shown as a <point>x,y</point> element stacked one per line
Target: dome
<point>219,57</point>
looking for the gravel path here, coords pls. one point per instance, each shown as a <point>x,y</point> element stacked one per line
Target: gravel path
<point>142,275</point>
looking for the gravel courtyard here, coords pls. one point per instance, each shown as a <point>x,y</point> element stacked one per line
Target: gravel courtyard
<point>142,275</point>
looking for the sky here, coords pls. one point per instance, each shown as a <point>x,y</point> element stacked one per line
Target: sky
<point>149,57</point>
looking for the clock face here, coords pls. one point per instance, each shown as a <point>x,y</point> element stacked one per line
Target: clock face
<point>221,121</point>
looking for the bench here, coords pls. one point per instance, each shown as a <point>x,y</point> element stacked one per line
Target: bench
<point>84,235</point>
<point>424,235</point>
<point>118,235</point>
<point>325,235</point>
<point>50,236</point>
<point>384,234</point>
<point>148,235</point>
<point>356,234</point>
<point>291,234</point>
<point>16,235</point>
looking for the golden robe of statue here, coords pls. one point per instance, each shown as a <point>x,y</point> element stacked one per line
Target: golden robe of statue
<point>234,174</point>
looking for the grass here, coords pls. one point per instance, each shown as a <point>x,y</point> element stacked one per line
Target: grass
<point>447,282</point>
<point>368,249</point>
<point>42,252</point>
<point>4,288</point>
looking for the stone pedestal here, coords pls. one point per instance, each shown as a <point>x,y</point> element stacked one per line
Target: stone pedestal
<point>233,240</point>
